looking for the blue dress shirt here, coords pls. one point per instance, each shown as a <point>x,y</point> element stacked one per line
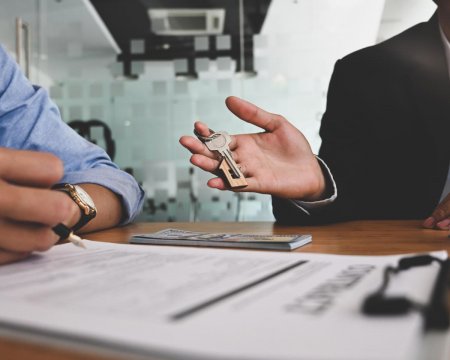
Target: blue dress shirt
<point>29,120</point>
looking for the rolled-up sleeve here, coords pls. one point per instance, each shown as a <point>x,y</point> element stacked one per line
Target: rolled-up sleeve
<point>29,120</point>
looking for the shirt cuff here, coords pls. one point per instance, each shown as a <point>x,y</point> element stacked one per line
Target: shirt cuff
<point>307,206</point>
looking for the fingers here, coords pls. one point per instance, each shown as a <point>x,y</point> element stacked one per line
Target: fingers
<point>27,216</point>
<point>204,162</point>
<point>202,128</point>
<point>442,211</point>
<point>30,168</point>
<point>41,206</point>
<point>217,183</point>
<point>440,218</point>
<point>253,114</point>
<point>25,237</point>
<point>195,146</point>
<point>28,209</point>
<point>443,224</point>
<point>7,257</point>
<point>431,223</point>
<point>211,165</point>
<point>220,184</point>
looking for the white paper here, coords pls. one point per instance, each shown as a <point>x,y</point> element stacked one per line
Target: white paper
<point>209,303</point>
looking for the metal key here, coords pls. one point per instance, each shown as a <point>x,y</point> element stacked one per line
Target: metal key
<point>219,141</point>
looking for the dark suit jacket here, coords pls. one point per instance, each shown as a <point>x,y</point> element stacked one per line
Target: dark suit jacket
<point>386,131</point>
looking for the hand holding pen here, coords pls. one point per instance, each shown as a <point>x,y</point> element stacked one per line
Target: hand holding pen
<point>65,233</point>
<point>29,209</point>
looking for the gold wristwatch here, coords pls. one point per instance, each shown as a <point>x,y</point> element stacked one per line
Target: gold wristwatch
<point>84,202</point>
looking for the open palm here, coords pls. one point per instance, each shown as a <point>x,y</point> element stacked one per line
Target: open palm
<point>278,161</point>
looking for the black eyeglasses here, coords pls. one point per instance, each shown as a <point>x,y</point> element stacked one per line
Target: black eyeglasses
<point>435,313</point>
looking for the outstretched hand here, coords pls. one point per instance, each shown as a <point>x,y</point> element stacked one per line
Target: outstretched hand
<point>278,161</point>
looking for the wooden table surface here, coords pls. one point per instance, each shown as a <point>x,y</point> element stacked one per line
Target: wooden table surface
<point>351,238</point>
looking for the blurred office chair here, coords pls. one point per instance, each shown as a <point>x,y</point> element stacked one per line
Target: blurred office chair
<point>85,129</point>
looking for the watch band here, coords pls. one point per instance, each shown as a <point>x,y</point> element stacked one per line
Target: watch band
<point>87,207</point>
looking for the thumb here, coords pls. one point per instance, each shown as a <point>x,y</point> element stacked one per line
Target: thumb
<point>253,114</point>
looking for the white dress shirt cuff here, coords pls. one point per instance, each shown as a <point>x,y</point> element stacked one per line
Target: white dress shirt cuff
<point>307,206</point>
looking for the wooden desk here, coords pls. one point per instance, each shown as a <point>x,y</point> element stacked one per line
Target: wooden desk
<point>352,238</point>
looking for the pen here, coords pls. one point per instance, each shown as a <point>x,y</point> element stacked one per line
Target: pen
<point>66,234</point>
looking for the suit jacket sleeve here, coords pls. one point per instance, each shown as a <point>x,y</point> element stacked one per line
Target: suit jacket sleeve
<point>385,131</point>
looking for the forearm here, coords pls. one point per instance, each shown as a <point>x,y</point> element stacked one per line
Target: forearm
<point>109,207</point>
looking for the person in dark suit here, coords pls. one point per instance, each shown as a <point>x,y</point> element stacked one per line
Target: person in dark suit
<point>385,138</point>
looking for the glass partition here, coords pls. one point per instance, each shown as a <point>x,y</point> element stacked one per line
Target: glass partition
<point>149,105</point>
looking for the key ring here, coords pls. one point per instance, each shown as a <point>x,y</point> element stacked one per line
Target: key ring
<point>204,138</point>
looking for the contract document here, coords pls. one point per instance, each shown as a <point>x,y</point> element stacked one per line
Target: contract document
<point>196,303</point>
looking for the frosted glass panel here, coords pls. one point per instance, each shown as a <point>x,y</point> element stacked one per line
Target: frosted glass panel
<point>96,90</point>
<point>75,113</point>
<point>224,63</point>
<point>181,65</point>
<point>159,110</point>
<point>223,42</point>
<point>137,67</point>
<point>160,88</point>
<point>96,112</point>
<point>74,50</point>
<point>56,92</point>
<point>116,69</point>
<point>181,87</point>
<point>137,46</point>
<point>294,54</point>
<point>201,43</point>
<point>202,64</point>
<point>260,41</point>
<point>139,110</point>
<point>117,89</point>
<point>224,86</point>
<point>74,72</point>
<point>75,91</point>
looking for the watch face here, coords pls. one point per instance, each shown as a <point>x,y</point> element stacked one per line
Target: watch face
<point>84,196</point>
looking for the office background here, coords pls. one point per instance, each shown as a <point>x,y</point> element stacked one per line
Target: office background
<point>96,65</point>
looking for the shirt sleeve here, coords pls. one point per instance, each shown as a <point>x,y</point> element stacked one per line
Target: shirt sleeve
<point>308,206</point>
<point>29,120</point>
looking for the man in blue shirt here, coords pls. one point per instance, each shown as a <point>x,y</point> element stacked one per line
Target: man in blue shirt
<point>37,151</point>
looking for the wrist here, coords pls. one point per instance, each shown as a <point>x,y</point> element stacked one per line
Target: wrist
<point>319,188</point>
<point>82,202</point>
<point>324,187</point>
<point>320,191</point>
<point>75,214</point>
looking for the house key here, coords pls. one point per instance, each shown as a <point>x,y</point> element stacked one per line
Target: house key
<point>219,142</point>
